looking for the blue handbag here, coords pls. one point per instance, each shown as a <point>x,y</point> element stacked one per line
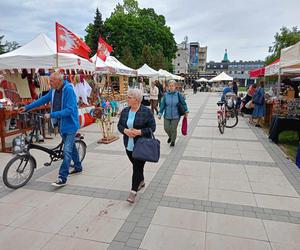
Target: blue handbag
<point>147,149</point>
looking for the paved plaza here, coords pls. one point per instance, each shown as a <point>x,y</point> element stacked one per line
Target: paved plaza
<point>212,191</point>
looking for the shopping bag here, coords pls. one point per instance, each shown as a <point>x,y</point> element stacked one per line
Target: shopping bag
<point>184,126</point>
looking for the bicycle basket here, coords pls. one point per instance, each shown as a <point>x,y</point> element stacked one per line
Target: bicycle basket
<point>18,144</point>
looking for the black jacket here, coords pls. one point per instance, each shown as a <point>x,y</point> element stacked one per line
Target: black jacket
<point>144,120</point>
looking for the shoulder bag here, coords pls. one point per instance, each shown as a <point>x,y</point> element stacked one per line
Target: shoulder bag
<point>147,149</point>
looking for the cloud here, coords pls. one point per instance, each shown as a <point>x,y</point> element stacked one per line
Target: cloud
<point>245,28</point>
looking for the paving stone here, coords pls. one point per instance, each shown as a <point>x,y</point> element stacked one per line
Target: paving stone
<point>281,212</point>
<point>234,212</point>
<point>128,227</point>
<point>116,246</point>
<point>208,209</point>
<point>206,203</point>
<point>198,207</point>
<point>280,218</point>
<point>133,243</point>
<point>219,204</point>
<point>137,236</point>
<point>294,214</point>
<point>164,203</point>
<point>122,237</point>
<point>235,207</point>
<point>141,230</point>
<point>144,222</point>
<point>174,204</point>
<point>186,206</point>
<point>249,214</point>
<point>263,216</point>
<point>268,211</point>
<point>294,220</point>
<point>219,210</point>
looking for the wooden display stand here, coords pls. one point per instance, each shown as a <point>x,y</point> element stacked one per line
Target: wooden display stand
<point>107,131</point>
<point>269,113</point>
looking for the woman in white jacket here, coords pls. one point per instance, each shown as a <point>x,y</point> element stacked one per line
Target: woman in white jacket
<point>154,97</point>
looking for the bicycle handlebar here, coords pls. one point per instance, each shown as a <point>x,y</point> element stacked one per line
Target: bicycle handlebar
<point>37,115</point>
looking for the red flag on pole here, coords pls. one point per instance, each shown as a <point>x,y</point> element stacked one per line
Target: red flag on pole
<point>104,49</point>
<point>68,42</point>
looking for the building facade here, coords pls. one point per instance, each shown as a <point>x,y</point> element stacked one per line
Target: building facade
<point>202,59</point>
<point>181,62</point>
<point>240,69</point>
<point>190,58</point>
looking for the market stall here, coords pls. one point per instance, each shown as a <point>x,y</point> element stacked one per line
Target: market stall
<point>286,102</point>
<point>114,77</point>
<point>25,75</point>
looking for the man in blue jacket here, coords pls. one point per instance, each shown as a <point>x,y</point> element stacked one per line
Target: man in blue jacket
<point>64,115</point>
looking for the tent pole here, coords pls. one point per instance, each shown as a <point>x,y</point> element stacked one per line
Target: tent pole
<point>278,84</point>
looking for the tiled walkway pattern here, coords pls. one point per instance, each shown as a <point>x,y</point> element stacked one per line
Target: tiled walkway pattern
<point>212,191</point>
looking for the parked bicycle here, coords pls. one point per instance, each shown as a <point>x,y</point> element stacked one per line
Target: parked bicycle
<point>221,116</point>
<point>227,114</point>
<point>19,169</point>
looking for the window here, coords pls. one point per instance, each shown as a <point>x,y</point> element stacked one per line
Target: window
<point>221,66</point>
<point>178,72</point>
<point>178,64</point>
<point>177,54</point>
<point>242,72</point>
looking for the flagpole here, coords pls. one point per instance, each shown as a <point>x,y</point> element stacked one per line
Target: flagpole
<point>56,45</point>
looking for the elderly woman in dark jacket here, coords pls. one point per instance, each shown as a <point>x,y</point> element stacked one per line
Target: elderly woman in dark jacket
<point>136,120</point>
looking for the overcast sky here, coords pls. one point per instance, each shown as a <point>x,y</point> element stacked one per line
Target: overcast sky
<point>245,28</point>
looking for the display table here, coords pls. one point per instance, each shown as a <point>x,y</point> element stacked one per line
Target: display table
<point>280,124</point>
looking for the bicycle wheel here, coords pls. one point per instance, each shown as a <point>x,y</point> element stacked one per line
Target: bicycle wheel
<point>221,124</point>
<point>81,149</point>
<point>231,119</point>
<point>18,171</point>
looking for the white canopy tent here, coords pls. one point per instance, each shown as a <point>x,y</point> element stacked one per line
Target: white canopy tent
<point>221,77</point>
<point>273,69</point>
<point>113,66</point>
<point>202,79</point>
<point>147,71</point>
<point>290,57</point>
<point>40,53</point>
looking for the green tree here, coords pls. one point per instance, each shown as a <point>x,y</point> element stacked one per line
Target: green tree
<point>144,32</point>
<point>127,57</point>
<point>285,38</point>
<point>147,56</point>
<point>7,46</point>
<point>131,6</point>
<point>10,46</point>
<point>94,30</point>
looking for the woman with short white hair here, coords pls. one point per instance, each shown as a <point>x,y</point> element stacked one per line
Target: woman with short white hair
<point>135,121</point>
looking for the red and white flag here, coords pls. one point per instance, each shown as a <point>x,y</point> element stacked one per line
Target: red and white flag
<point>68,42</point>
<point>104,49</point>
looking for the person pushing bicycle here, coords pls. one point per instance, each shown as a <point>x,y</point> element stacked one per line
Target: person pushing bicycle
<point>64,116</point>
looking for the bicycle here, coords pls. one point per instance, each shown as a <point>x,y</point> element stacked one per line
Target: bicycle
<point>19,170</point>
<point>231,112</point>
<point>221,116</point>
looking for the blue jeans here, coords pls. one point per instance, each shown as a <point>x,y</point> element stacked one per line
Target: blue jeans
<point>70,153</point>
